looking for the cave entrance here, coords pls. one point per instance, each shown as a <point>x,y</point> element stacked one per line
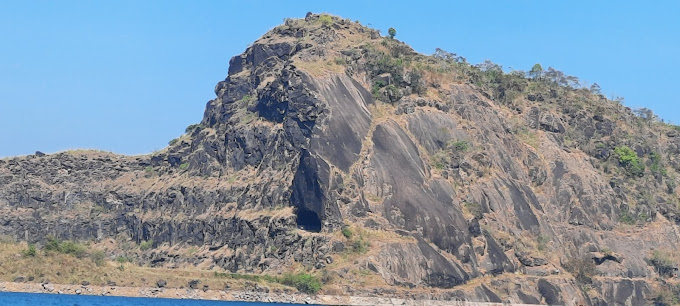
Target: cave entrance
<point>308,220</point>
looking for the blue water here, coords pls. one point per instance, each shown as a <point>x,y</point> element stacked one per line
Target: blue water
<point>44,299</point>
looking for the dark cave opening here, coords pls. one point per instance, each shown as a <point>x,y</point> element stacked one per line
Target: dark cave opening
<point>308,220</point>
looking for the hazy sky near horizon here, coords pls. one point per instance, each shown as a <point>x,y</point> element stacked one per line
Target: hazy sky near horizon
<point>128,76</point>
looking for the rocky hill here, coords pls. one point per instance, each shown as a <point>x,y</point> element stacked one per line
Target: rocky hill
<point>334,150</point>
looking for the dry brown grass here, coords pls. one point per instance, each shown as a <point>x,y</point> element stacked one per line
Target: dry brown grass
<point>320,68</point>
<point>67,269</point>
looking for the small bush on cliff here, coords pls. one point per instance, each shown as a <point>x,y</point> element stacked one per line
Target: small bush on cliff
<point>360,246</point>
<point>122,260</point>
<point>347,232</point>
<point>149,171</point>
<point>190,129</point>
<point>666,295</point>
<point>656,167</point>
<point>30,251</point>
<point>73,248</point>
<point>340,61</point>
<point>375,90</point>
<point>65,247</point>
<point>542,242</point>
<point>248,277</point>
<point>627,217</point>
<point>473,208</point>
<point>582,268</point>
<point>146,245</point>
<point>304,282</point>
<point>326,20</point>
<point>98,257</point>
<point>630,161</point>
<point>670,186</point>
<point>418,82</point>
<point>460,146</point>
<point>441,159</point>
<point>384,63</point>
<point>52,244</point>
<point>663,262</point>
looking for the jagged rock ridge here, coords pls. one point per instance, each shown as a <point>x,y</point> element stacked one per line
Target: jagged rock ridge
<point>444,172</point>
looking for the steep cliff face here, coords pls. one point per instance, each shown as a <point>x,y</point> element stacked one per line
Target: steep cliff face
<point>450,181</point>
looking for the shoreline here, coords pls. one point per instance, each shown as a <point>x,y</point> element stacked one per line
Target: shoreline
<point>222,295</point>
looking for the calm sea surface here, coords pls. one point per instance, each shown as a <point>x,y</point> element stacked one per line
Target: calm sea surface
<point>43,299</point>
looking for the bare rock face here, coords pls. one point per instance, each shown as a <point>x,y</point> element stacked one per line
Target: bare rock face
<point>442,177</point>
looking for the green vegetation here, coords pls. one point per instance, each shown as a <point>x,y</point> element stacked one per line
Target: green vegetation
<point>340,61</point>
<point>360,246</point>
<point>667,295</point>
<point>536,71</point>
<point>656,167</point>
<point>184,166</point>
<point>65,247</point>
<point>192,127</point>
<point>326,20</point>
<point>627,218</point>
<point>392,65</point>
<point>392,32</point>
<point>582,268</point>
<point>347,232</point>
<point>30,251</point>
<point>375,90</point>
<point>121,260</point>
<point>98,257</point>
<point>630,161</point>
<point>542,242</point>
<point>663,263</point>
<point>440,159</point>
<point>146,245</point>
<point>356,242</point>
<point>380,63</point>
<point>192,251</point>
<point>303,282</point>
<point>248,277</point>
<point>173,142</point>
<point>69,248</point>
<point>149,171</point>
<point>418,82</point>
<point>459,146</point>
<point>248,117</point>
<point>98,209</point>
<point>474,208</point>
<point>670,186</point>
<point>527,136</point>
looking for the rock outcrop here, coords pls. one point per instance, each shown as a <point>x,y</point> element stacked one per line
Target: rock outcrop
<point>442,172</point>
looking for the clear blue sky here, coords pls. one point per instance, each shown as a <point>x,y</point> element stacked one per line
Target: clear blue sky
<point>128,76</point>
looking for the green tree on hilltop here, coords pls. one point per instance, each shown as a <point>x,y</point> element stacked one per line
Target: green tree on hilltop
<point>392,32</point>
<point>536,71</point>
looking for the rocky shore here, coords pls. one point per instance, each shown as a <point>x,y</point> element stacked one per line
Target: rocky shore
<point>221,295</point>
